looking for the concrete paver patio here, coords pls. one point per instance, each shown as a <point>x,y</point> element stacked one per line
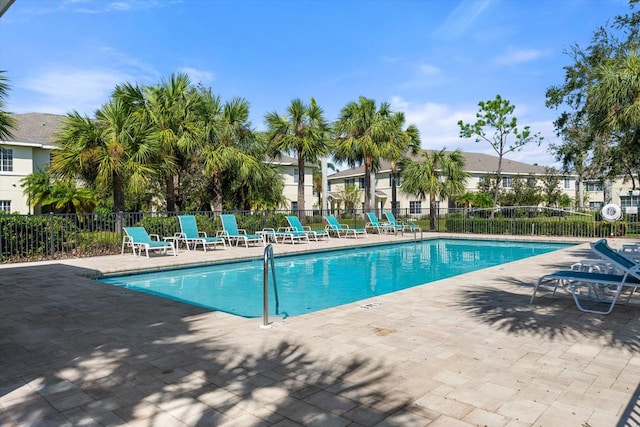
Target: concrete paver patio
<point>464,351</point>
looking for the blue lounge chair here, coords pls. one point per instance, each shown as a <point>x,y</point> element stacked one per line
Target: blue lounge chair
<point>398,225</point>
<point>232,233</point>
<point>606,288</point>
<point>380,227</point>
<point>333,226</point>
<point>138,239</point>
<point>189,234</point>
<point>296,225</point>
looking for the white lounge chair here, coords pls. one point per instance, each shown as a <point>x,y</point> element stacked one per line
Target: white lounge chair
<point>606,288</point>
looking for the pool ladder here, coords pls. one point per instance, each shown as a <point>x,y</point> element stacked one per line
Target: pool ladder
<point>268,258</point>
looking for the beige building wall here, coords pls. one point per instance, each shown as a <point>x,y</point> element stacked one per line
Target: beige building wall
<point>411,203</point>
<point>289,170</point>
<point>26,159</point>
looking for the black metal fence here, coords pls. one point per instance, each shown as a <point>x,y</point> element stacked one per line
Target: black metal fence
<point>57,236</point>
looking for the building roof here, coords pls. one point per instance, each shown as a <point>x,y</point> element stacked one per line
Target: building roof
<point>288,161</point>
<point>474,163</point>
<point>36,128</point>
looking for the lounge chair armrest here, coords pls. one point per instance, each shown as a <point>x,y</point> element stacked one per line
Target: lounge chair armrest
<point>242,231</point>
<point>264,230</point>
<point>157,237</point>
<point>202,233</point>
<point>222,233</point>
<point>344,225</point>
<point>284,229</point>
<point>306,228</point>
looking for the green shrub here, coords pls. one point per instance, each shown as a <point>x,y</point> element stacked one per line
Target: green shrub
<point>35,236</point>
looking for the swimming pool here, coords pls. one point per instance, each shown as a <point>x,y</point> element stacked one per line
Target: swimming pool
<point>312,282</point>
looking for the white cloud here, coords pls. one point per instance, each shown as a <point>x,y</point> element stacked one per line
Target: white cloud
<point>60,90</point>
<point>519,56</point>
<point>198,76</point>
<point>438,125</point>
<point>463,17</point>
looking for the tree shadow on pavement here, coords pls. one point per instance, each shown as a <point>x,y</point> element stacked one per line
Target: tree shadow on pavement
<point>550,317</point>
<point>75,352</point>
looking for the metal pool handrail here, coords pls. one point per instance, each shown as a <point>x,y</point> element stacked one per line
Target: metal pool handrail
<point>268,255</point>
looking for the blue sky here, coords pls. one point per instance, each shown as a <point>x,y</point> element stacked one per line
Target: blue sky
<point>432,59</point>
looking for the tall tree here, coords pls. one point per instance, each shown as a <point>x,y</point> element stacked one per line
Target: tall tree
<point>170,107</point>
<point>7,122</point>
<point>227,143</point>
<point>114,148</point>
<point>404,142</point>
<point>495,124</point>
<point>581,100</point>
<point>363,133</point>
<point>438,174</point>
<point>303,131</point>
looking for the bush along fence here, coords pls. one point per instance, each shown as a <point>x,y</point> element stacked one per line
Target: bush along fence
<point>57,236</point>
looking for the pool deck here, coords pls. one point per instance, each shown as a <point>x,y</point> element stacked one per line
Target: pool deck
<point>464,351</point>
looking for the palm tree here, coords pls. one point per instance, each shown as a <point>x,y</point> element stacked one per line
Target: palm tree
<point>37,187</point>
<point>7,122</point>
<point>66,197</point>
<point>227,141</point>
<point>114,150</point>
<point>403,142</point>
<point>441,175</point>
<point>363,134</point>
<point>302,131</point>
<point>170,108</point>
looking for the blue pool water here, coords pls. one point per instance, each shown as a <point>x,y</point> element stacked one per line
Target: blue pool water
<point>311,282</point>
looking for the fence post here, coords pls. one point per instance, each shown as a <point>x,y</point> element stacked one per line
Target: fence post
<point>53,249</point>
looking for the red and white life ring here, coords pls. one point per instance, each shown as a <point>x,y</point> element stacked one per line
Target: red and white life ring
<point>611,212</point>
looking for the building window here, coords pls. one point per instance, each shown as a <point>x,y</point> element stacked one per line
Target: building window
<point>629,201</point>
<point>295,175</point>
<point>328,185</point>
<point>348,182</point>
<point>415,207</point>
<point>593,186</point>
<point>506,181</point>
<point>595,205</point>
<point>294,206</point>
<point>5,206</point>
<point>6,160</point>
<point>567,183</point>
<point>361,182</point>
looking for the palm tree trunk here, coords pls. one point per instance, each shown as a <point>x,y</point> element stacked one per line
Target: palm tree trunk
<point>432,212</point>
<point>303,218</point>
<point>118,192</point>
<point>171,194</point>
<point>367,183</point>
<point>217,189</point>
<point>394,192</point>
